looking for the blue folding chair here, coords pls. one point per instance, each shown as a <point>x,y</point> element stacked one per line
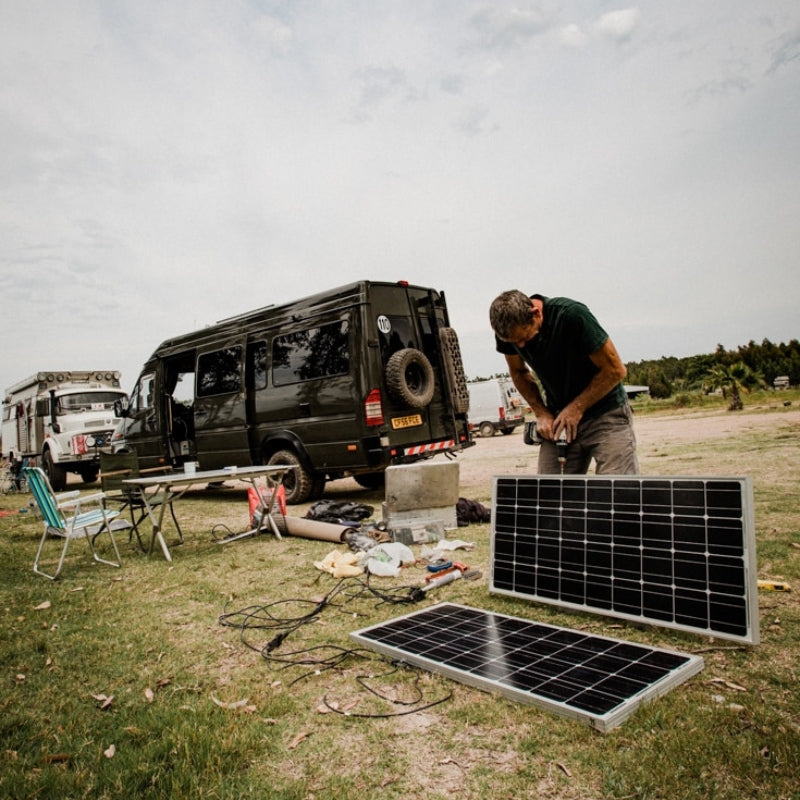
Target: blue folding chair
<point>82,523</point>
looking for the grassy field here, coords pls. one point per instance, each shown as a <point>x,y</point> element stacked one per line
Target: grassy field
<point>126,683</point>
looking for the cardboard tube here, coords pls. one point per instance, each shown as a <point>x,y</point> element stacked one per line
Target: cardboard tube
<point>311,528</point>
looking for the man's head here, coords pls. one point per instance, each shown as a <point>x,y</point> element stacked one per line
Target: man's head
<point>515,318</point>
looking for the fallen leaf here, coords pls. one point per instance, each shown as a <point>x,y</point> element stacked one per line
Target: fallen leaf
<point>734,686</point>
<point>20,676</point>
<point>297,739</point>
<point>110,751</point>
<point>43,606</point>
<point>149,696</point>
<point>104,700</point>
<point>564,768</point>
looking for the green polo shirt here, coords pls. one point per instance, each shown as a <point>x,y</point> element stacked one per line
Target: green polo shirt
<point>559,355</point>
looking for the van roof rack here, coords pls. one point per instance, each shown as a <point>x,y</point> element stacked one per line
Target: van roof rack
<point>245,314</point>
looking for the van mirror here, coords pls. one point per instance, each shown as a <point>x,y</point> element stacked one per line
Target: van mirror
<point>121,407</point>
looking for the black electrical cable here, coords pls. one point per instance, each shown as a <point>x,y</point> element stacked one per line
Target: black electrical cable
<point>328,656</point>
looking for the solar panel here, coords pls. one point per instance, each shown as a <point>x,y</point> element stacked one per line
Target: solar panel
<point>676,552</point>
<point>596,679</point>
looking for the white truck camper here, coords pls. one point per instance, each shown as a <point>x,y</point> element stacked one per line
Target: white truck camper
<point>60,420</point>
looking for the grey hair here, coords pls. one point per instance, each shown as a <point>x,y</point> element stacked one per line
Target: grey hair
<point>508,311</point>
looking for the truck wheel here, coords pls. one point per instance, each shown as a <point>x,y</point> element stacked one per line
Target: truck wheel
<point>454,369</point>
<point>56,474</point>
<point>487,429</point>
<point>409,378</point>
<point>506,431</point>
<point>298,481</point>
<point>89,475</point>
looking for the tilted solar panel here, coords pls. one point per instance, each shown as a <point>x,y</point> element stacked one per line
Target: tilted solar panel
<point>595,679</point>
<point>676,552</point>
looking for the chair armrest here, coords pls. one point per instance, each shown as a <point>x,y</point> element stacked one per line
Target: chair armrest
<point>114,473</point>
<point>65,497</point>
<point>77,500</point>
<point>155,469</point>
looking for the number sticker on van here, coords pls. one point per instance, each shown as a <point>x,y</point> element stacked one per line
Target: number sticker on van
<point>384,325</point>
<point>410,421</point>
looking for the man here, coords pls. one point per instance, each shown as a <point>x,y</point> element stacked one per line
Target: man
<point>581,375</point>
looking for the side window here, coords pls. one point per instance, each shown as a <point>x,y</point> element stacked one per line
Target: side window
<point>219,372</point>
<point>142,394</point>
<point>311,354</point>
<point>256,366</point>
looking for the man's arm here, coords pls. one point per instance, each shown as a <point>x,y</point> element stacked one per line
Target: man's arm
<point>610,371</point>
<point>526,385</point>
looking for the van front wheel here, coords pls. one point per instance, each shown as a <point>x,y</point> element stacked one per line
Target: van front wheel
<point>298,481</point>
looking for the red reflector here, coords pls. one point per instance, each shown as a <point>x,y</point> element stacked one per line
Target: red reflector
<point>502,412</point>
<point>373,408</point>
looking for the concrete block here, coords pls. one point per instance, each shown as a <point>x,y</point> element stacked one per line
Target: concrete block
<point>426,484</point>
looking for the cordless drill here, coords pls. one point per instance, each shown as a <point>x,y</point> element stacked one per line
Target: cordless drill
<point>561,449</point>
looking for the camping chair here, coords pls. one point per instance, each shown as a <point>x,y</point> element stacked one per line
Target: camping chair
<point>115,468</point>
<point>83,523</point>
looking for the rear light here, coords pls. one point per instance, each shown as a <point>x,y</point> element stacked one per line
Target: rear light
<point>373,408</point>
<point>502,412</point>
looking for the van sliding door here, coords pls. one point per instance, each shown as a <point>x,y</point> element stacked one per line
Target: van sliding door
<point>220,412</point>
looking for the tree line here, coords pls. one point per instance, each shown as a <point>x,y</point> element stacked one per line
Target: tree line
<point>753,363</point>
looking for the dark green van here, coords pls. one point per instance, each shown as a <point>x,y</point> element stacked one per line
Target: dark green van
<point>344,382</point>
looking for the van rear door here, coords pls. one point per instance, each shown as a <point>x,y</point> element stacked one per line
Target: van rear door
<point>407,321</point>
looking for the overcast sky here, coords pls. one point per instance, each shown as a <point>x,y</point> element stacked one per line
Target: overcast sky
<point>167,164</point>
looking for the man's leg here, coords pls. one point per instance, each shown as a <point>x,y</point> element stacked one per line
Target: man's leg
<point>612,442</point>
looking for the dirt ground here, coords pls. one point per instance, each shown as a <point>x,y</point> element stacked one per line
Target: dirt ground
<point>509,455</point>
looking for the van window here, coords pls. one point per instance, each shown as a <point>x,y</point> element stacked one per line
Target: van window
<point>256,366</point>
<point>142,394</point>
<point>219,372</point>
<point>397,336</point>
<point>311,354</point>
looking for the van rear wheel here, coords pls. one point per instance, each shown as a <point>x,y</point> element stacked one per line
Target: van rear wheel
<point>371,480</point>
<point>298,482</point>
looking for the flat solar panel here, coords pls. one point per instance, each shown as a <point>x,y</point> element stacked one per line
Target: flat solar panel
<point>676,552</point>
<point>595,679</point>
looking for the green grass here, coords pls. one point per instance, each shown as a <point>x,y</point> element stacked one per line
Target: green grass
<point>198,711</point>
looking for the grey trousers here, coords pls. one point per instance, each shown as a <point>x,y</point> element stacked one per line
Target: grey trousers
<point>608,439</point>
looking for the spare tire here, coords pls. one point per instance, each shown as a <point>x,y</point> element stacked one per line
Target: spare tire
<point>410,378</point>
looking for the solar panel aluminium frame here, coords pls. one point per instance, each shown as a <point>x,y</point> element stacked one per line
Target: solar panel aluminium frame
<point>574,674</point>
<point>678,552</point>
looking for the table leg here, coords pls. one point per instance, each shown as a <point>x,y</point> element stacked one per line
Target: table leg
<point>157,524</point>
<point>267,519</point>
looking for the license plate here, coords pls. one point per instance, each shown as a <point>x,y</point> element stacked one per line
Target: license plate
<point>411,421</point>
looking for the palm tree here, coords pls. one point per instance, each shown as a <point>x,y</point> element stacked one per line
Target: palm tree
<point>736,378</point>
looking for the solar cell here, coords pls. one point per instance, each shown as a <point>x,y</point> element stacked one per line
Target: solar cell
<point>595,679</point>
<point>676,552</point>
